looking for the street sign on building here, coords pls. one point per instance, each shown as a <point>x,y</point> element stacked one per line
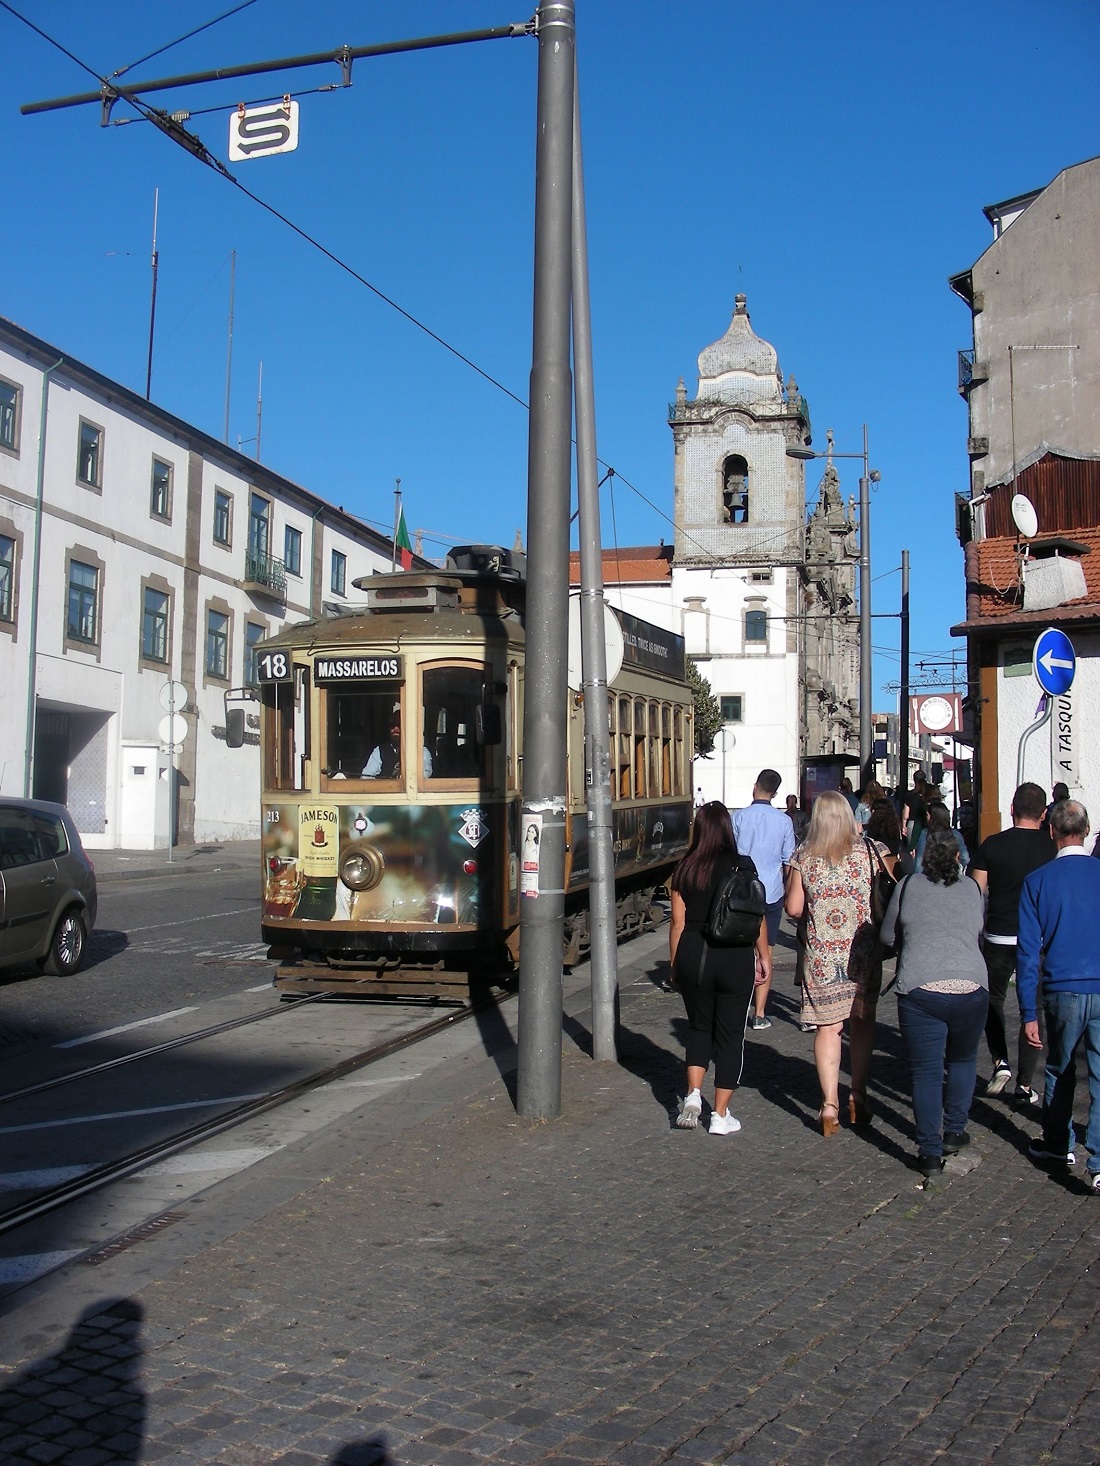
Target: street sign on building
<point>257,132</point>
<point>1054,662</point>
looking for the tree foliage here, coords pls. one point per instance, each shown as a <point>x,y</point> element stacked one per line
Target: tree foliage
<point>708,712</point>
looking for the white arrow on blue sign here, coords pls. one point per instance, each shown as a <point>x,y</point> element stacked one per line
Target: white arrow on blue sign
<point>1054,662</point>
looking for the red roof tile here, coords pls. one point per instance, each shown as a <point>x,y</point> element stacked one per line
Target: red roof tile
<point>629,564</point>
<point>994,593</point>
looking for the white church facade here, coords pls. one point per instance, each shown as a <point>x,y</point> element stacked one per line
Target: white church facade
<point>762,592</point>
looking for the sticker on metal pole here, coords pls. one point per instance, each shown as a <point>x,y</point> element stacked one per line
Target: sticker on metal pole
<point>1054,662</point>
<point>529,855</point>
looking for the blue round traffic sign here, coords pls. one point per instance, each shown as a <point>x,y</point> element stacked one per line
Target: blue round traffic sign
<point>1054,661</point>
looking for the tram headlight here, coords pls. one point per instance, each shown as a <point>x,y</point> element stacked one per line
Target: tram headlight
<point>361,867</point>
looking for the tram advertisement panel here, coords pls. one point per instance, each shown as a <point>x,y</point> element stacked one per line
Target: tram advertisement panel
<point>396,865</point>
<point>642,837</point>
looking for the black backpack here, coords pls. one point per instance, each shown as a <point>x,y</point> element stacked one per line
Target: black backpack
<point>736,908</point>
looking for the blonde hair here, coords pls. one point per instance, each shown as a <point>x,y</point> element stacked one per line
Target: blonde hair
<point>833,829</point>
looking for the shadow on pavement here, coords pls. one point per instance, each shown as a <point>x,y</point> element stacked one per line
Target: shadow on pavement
<point>85,1399</point>
<point>374,1452</point>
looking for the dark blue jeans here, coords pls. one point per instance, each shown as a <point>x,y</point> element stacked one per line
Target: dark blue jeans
<point>1071,1019</point>
<point>941,1031</point>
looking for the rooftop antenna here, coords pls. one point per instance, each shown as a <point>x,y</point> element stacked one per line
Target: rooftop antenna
<point>153,298</point>
<point>229,348</point>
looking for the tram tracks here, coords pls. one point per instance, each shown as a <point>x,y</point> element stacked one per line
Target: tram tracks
<point>97,1177</point>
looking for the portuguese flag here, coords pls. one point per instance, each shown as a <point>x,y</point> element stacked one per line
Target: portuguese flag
<point>402,543</point>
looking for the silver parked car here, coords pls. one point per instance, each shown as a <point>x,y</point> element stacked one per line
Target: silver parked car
<point>48,897</point>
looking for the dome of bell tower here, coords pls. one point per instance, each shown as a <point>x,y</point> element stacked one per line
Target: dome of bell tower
<point>740,367</point>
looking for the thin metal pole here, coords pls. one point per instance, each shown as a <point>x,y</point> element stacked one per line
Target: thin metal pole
<point>152,299</point>
<point>229,346</point>
<point>259,410</point>
<point>597,738</point>
<point>396,522</point>
<point>903,691</point>
<point>866,746</point>
<point>342,56</point>
<point>542,911</point>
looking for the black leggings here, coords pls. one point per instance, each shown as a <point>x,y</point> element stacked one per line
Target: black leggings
<point>717,1005</point>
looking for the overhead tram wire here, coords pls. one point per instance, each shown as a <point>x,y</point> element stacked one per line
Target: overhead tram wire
<point>174,129</point>
<point>206,25</point>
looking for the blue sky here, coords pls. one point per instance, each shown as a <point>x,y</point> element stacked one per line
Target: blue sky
<point>831,161</point>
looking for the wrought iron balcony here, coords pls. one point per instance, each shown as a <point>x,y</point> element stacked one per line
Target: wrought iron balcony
<point>264,575</point>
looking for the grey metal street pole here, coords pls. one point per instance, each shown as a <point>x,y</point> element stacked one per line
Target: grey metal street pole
<point>903,698</point>
<point>549,453</point>
<point>597,737</point>
<point>866,744</point>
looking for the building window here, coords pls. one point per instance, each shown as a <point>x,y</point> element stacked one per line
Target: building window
<point>760,577</point>
<point>217,645</point>
<point>7,578</point>
<point>252,635</point>
<point>339,573</point>
<point>154,626</point>
<point>735,490</point>
<point>223,517</point>
<point>732,708</point>
<point>9,416</point>
<point>259,526</point>
<point>89,457</point>
<point>292,550</point>
<point>83,622</point>
<point>756,626</point>
<point>160,491</point>
<point>1018,661</point>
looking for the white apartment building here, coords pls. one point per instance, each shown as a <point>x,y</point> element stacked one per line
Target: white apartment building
<point>138,553</point>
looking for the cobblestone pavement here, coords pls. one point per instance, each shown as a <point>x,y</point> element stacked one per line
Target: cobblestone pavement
<point>608,1288</point>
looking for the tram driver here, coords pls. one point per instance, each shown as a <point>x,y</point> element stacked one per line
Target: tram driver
<point>385,759</point>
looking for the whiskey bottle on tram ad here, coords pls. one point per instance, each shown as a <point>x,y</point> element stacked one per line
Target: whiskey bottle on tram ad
<point>318,862</point>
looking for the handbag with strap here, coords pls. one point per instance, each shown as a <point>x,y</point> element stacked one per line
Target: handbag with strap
<point>883,883</point>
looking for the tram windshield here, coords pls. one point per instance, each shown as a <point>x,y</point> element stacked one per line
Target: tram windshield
<point>363,731</point>
<point>451,697</point>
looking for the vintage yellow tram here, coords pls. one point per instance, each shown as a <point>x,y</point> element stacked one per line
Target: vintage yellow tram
<point>392,758</point>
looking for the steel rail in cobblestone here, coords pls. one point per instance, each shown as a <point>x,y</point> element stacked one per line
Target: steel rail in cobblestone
<point>161,1048</point>
<point>95,1180</point>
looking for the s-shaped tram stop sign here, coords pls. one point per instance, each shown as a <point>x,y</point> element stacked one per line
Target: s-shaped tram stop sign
<point>1054,663</point>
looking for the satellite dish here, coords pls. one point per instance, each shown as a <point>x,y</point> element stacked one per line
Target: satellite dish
<point>1024,517</point>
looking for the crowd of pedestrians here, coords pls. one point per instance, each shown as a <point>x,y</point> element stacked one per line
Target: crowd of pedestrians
<point>962,928</point>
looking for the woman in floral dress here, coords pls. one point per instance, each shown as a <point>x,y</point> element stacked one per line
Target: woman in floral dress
<point>829,885</point>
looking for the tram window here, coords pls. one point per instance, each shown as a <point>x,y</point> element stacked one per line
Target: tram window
<point>286,705</point>
<point>655,748</point>
<point>360,741</point>
<point>451,697</point>
<point>678,750</point>
<point>622,748</point>
<point>639,748</point>
<point>666,749</point>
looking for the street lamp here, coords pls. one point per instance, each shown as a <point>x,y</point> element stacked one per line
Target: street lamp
<point>868,477</point>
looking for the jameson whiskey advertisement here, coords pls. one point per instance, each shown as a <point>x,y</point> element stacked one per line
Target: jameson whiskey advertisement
<point>318,861</point>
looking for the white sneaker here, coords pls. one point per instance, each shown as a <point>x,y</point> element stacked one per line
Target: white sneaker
<point>691,1107</point>
<point>723,1124</point>
<point>998,1080</point>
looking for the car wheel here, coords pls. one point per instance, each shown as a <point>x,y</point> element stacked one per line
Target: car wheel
<point>67,948</point>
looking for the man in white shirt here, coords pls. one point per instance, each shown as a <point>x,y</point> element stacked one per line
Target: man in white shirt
<point>766,834</point>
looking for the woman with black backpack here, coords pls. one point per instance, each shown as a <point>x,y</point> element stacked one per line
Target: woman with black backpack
<point>716,983</point>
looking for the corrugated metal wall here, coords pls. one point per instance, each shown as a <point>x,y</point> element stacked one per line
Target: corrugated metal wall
<point>1065,492</point>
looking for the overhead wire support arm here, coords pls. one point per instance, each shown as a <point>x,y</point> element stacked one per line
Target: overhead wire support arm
<point>343,56</point>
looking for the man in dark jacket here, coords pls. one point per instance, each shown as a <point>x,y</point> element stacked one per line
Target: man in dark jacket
<point>999,867</point>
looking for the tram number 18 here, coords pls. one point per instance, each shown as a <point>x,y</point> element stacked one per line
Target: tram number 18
<point>273,666</point>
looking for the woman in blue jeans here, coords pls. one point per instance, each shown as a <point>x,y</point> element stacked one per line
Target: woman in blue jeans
<point>942,994</point>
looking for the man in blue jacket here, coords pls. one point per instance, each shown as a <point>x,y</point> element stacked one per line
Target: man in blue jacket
<point>1057,944</point>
